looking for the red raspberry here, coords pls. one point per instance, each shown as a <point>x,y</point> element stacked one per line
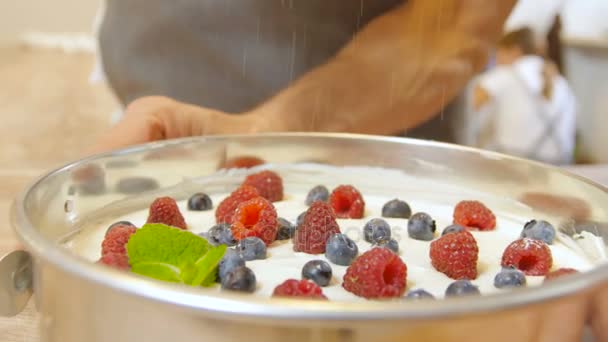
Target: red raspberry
<point>225,210</point>
<point>268,183</point>
<point>243,162</point>
<point>559,273</point>
<point>117,260</point>
<point>347,202</point>
<point>473,214</point>
<point>533,257</point>
<point>318,225</point>
<point>377,273</point>
<point>164,210</point>
<point>256,217</point>
<point>116,239</point>
<point>455,255</point>
<point>299,288</point>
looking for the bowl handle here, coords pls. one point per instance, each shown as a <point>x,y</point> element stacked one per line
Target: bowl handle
<point>16,279</point>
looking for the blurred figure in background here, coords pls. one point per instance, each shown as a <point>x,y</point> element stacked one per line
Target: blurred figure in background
<point>540,16</point>
<point>543,18</point>
<point>523,107</point>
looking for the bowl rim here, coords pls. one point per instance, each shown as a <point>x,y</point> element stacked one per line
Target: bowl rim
<point>235,305</point>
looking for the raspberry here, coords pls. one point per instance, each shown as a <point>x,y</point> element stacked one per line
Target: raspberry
<point>318,225</point>
<point>268,183</point>
<point>299,288</point>
<point>473,214</point>
<point>378,273</point>
<point>116,239</point>
<point>225,210</point>
<point>243,162</point>
<point>559,273</point>
<point>117,260</point>
<point>455,255</point>
<point>256,217</point>
<point>533,257</point>
<point>164,210</point>
<point>347,202</point>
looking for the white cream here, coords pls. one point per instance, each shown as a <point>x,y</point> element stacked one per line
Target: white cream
<point>377,186</point>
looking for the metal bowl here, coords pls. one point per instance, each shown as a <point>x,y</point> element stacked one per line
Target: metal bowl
<point>81,301</point>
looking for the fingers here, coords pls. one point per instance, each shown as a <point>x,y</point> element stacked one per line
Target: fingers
<point>158,118</point>
<point>140,124</point>
<point>155,118</point>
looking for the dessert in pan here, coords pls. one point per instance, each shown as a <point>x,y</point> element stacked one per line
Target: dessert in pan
<point>340,234</point>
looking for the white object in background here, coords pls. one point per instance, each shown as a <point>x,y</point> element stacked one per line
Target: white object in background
<point>586,64</point>
<point>67,42</point>
<point>538,15</point>
<point>518,107</point>
<point>98,74</point>
<point>585,19</point>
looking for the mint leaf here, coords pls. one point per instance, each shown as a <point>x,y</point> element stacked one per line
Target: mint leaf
<point>160,271</point>
<point>187,274</point>
<point>160,243</point>
<point>170,254</point>
<point>206,266</point>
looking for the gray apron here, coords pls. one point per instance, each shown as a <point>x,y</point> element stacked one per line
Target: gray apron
<point>230,55</point>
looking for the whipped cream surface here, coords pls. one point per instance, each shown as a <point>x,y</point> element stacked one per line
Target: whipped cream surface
<point>377,186</point>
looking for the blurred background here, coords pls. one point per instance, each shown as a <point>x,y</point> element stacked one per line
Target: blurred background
<point>47,66</point>
<point>54,102</point>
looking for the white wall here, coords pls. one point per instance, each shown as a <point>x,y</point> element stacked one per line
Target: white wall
<point>20,16</point>
<point>586,19</point>
<point>586,55</point>
<point>581,18</point>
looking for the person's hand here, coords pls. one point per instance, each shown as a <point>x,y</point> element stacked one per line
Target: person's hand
<point>157,118</point>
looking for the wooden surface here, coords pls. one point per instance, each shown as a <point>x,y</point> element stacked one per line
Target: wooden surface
<point>48,113</point>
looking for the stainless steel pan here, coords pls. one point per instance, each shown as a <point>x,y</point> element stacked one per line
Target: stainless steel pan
<point>81,301</point>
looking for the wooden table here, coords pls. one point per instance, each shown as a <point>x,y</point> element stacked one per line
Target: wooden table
<point>49,112</point>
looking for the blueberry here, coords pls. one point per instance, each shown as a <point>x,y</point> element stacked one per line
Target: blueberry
<point>286,229</point>
<point>318,271</point>
<point>221,234</point>
<point>391,244</point>
<point>461,288</point>
<point>453,228</point>
<point>421,227</point>
<point>205,235</point>
<point>119,223</point>
<point>229,262</point>
<point>200,202</point>
<point>136,185</point>
<point>318,193</point>
<point>419,294</point>
<point>239,279</point>
<point>300,219</point>
<point>341,250</point>
<point>509,277</point>
<point>376,229</point>
<point>397,209</point>
<point>252,248</point>
<point>539,230</point>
